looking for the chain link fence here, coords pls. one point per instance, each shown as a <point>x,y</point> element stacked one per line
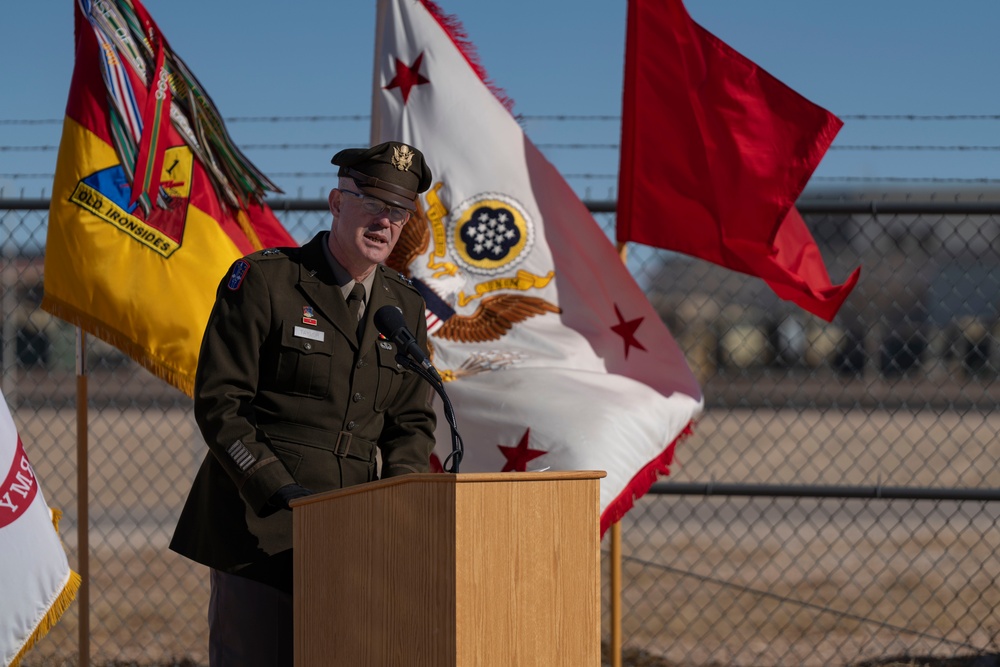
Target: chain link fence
<point>836,504</point>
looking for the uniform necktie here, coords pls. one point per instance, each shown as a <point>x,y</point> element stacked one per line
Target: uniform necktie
<point>356,304</point>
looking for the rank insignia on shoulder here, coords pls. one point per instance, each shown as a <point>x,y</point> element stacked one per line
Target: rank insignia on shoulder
<point>270,251</point>
<point>308,315</point>
<point>237,275</point>
<point>405,279</point>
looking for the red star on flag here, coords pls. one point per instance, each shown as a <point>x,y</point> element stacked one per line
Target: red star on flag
<point>518,457</point>
<point>407,76</point>
<point>627,331</point>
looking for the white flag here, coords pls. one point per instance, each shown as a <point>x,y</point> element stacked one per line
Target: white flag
<point>36,583</point>
<point>556,358</point>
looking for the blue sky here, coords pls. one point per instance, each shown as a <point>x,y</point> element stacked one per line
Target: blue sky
<point>314,58</point>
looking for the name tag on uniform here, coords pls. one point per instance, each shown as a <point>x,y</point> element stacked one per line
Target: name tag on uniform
<point>311,334</point>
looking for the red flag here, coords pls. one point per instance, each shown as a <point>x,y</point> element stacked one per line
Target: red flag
<point>715,151</point>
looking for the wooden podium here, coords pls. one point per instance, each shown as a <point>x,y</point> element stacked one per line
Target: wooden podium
<point>450,570</point>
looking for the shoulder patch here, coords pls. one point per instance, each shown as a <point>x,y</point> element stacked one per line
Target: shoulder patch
<point>238,273</point>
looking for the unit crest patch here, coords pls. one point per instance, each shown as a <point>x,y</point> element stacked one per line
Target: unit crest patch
<point>239,272</point>
<point>107,193</point>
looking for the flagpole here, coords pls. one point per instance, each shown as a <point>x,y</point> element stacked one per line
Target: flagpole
<point>615,650</point>
<point>8,330</point>
<point>376,117</point>
<point>616,557</point>
<point>82,496</point>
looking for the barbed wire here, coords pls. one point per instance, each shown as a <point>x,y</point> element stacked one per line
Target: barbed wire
<point>316,118</point>
<point>904,147</point>
<point>14,176</point>
<point>920,117</point>
<point>542,117</point>
<point>904,179</point>
<point>26,149</point>
<point>335,146</point>
<point>559,146</point>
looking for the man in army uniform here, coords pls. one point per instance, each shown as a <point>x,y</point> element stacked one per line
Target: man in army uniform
<point>294,393</point>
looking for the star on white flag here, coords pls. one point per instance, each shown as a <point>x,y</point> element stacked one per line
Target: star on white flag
<point>557,358</point>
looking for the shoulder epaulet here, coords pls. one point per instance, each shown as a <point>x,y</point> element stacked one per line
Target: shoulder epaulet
<point>398,277</point>
<point>272,253</point>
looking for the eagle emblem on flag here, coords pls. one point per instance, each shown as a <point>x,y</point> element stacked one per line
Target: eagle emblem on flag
<point>488,235</point>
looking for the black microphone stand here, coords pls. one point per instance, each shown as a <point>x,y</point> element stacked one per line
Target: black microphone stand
<point>454,460</point>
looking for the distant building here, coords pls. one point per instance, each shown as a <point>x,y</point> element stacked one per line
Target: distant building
<point>929,289</point>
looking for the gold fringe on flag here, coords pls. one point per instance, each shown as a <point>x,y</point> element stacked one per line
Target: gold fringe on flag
<point>136,352</point>
<point>63,599</point>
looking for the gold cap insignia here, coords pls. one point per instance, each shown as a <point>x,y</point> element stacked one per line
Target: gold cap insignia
<point>402,157</point>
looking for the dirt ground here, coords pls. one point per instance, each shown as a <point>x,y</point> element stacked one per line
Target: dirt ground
<point>706,582</point>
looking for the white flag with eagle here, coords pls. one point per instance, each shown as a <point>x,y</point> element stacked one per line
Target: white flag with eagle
<point>552,355</point>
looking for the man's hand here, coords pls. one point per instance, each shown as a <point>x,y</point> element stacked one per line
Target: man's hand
<point>287,493</point>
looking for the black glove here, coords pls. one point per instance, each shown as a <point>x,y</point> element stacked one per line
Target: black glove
<point>288,492</point>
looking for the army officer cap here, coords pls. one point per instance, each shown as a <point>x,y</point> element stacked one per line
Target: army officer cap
<point>393,172</point>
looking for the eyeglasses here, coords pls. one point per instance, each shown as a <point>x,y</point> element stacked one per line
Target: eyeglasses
<point>397,216</point>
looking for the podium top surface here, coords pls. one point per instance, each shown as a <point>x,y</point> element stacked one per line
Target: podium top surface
<point>458,478</point>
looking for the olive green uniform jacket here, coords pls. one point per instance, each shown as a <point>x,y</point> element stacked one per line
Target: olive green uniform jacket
<point>284,395</point>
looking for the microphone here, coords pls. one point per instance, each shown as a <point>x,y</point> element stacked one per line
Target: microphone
<point>390,323</point>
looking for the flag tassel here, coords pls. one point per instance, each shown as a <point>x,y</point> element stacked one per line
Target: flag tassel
<point>136,351</point>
